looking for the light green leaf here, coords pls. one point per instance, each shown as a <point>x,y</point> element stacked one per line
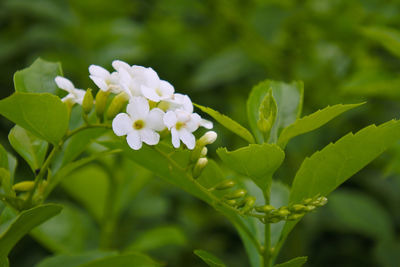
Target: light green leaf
<point>72,231</point>
<point>79,142</point>
<point>387,37</point>
<point>44,115</point>
<point>296,262</point>
<point>91,179</point>
<point>131,259</point>
<point>312,122</point>
<point>38,78</point>
<point>158,237</point>
<point>3,158</point>
<point>358,212</point>
<point>74,259</point>
<point>228,123</point>
<point>325,170</point>
<point>24,223</point>
<point>255,161</point>
<point>32,149</point>
<point>289,99</point>
<point>209,258</point>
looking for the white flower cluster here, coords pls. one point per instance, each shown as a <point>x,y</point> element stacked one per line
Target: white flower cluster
<point>153,105</point>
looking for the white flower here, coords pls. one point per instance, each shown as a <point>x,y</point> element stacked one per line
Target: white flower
<point>182,124</point>
<point>140,124</point>
<point>132,79</point>
<point>155,89</point>
<point>74,95</point>
<point>177,101</point>
<point>105,80</point>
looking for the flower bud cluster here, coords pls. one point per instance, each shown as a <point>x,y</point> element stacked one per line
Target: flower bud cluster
<point>151,106</point>
<point>292,212</point>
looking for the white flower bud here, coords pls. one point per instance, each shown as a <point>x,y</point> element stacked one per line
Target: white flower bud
<point>200,165</point>
<point>208,138</point>
<point>203,152</point>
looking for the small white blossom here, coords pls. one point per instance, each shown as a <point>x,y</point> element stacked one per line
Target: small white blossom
<point>177,101</point>
<point>74,95</point>
<point>139,124</point>
<point>105,80</point>
<point>182,124</point>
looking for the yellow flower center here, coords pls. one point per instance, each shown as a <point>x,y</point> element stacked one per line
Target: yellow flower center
<point>139,124</point>
<point>179,125</point>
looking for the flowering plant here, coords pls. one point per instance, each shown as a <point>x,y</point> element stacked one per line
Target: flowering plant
<point>134,102</point>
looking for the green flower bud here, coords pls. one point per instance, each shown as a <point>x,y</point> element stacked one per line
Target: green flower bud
<point>273,219</point>
<point>226,184</point>
<point>293,217</point>
<point>249,202</point>
<point>23,186</point>
<point>307,201</point>
<point>321,201</point>
<point>298,208</point>
<point>265,208</point>
<point>199,166</point>
<point>310,207</point>
<point>101,102</point>
<point>283,212</point>
<point>117,105</point>
<point>267,114</point>
<point>236,194</point>
<point>231,202</point>
<point>87,103</point>
<point>203,152</point>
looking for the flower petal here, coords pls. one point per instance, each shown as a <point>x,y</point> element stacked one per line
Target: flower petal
<point>149,136</point>
<point>167,89</point>
<point>151,78</point>
<point>194,122</point>
<point>175,138</point>
<point>138,108</point>
<point>98,71</point>
<point>150,93</point>
<point>64,84</point>
<point>134,141</point>
<point>122,124</point>
<point>100,82</point>
<point>154,119</point>
<point>187,138</point>
<point>206,124</point>
<point>119,64</point>
<point>79,94</point>
<point>170,119</point>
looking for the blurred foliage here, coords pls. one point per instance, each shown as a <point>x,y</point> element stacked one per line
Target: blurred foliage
<point>215,50</point>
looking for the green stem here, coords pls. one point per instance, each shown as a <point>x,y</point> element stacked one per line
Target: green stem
<point>84,127</point>
<point>215,199</point>
<point>267,234</point>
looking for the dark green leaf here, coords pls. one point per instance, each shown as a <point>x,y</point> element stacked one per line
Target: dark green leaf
<point>74,259</point>
<point>209,258</point>
<point>312,122</point>
<point>228,123</point>
<point>32,149</point>
<point>131,259</point>
<point>358,212</point>
<point>387,37</point>
<point>157,238</point>
<point>289,99</point>
<point>296,262</point>
<point>24,223</point>
<point>255,161</point>
<point>44,115</point>
<point>38,78</point>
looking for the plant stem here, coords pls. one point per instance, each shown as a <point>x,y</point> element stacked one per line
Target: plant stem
<point>267,233</point>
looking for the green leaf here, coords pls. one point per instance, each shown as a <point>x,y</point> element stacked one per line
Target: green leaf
<point>44,115</point>
<point>28,146</point>
<point>24,223</point>
<point>228,123</point>
<point>296,262</point>
<point>325,170</point>
<point>56,233</point>
<point>38,78</point>
<point>387,37</point>
<point>255,161</point>
<point>209,258</point>
<point>79,142</point>
<point>3,158</point>
<point>131,259</point>
<point>74,259</point>
<point>289,99</point>
<point>387,253</point>
<point>91,179</point>
<point>358,212</point>
<point>312,122</point>
<point>157,238</point>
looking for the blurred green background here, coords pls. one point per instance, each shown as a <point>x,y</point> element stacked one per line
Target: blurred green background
<point>215,51</point>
